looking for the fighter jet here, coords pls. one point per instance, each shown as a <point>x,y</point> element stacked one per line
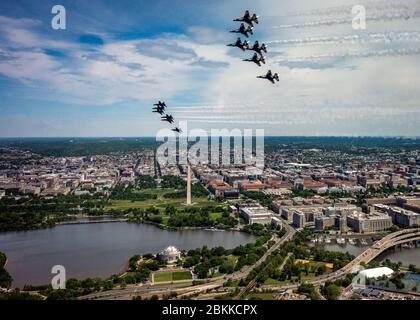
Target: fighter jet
<point>270,76</point>
<point>257,48</point>
<point>243,30</point>
<point>168,118</point>
<point>177,130</point>
<point>241,45</point>
<point>248,19</point>
<point>256,59</point>
<point>159,109</point>
<point>161,104</point>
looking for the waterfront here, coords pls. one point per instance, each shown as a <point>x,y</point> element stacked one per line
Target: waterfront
<point>97,250</point>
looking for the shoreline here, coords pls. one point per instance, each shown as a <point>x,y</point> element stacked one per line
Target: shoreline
<point>116,220</point>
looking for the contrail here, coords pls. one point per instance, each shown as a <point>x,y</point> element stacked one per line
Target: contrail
<point>305,121</point>
<point>345,9</point>
<point>187,106</point>
<point>313,115</point>
<point>387,37</point>
<point>333,22</point>
<point>227,109</point>
<point>377,53</point>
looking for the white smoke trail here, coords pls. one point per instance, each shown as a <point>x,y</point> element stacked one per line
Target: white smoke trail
<point>345,9</point>
<point>289,122</point>
<point>373,18</point>
<point>376,53</point>
<point>387,37</point>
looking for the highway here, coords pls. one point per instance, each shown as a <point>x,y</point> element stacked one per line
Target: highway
<point>253,282</point>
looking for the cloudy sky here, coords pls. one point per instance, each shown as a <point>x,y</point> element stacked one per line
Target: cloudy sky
<point>100,76</point>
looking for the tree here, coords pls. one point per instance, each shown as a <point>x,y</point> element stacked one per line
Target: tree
<point>226,267</point>
<point>201,270</point>
<point>321,270</point>
<point>308,290</point>
<point>331,291</point>
<point>5,278</point>
<point>170,210</point>
<point>412,268</point>
<point>3,259</point>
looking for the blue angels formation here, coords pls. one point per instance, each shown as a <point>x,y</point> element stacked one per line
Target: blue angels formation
<point>160,107</point>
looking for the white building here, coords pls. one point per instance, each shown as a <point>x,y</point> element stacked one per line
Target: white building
<point>376,272</point>
<point>256,215</point>
<point>276,222</point>
<point>365,223</point>
<point>170,254</point>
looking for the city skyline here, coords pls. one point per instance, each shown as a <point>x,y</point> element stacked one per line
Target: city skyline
<point>100,76</point>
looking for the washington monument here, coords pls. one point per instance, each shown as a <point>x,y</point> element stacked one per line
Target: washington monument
<point>188,185</point>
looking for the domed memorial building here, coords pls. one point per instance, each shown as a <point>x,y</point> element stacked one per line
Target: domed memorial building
<point>169,255</point>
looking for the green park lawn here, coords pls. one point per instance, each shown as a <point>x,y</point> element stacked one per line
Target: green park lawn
<point>263,296</point>
<point>271,282</point>
<point>172,276</point>
<point>303,278</point>
<point>181,275</point>
<point>215,215</point>
<point>160,203</point>
<point>157,191</point>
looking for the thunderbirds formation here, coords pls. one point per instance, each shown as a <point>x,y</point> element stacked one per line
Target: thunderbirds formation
<point>258,57</point>
<point>160,108</point>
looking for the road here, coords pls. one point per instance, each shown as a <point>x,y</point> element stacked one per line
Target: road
<point>289,235</point>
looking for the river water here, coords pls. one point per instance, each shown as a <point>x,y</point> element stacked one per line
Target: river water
<point>406,256</point>
<point>97,250</point>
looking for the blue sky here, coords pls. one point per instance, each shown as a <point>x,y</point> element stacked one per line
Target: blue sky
<point>100,76</point>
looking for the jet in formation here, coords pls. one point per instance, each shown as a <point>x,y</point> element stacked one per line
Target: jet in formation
<point>270,76</point>
<point>256,59</point>
<point>241,45</point>
<point>168,118</point>
<point>159,109</point>
<point>247,18</point>
<point>257,48</point>
<point>243,30</point>
<point>176,129</point>
<point>161,104</point>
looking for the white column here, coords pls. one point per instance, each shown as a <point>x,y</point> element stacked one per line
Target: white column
<point>188,185</point>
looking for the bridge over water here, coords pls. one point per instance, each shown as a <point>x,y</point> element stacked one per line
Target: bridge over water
<point>387,242</point>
